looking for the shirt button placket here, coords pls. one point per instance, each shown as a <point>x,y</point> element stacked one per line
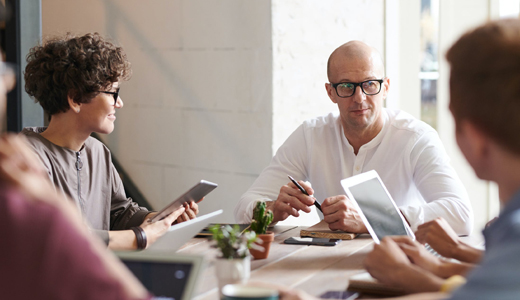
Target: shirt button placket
<point>360,160</point>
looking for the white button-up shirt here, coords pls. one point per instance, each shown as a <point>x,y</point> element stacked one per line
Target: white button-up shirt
<point>407,154</point>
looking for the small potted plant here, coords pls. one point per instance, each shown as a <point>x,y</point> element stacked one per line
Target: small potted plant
<point>234,264</point>
<point>261,220</point>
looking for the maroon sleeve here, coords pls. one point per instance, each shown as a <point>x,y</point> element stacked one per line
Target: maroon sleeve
<point>42,257</point>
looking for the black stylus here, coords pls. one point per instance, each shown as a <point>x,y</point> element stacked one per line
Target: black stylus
<point>305,192</point>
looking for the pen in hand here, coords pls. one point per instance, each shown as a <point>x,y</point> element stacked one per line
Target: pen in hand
<point>316,203</point>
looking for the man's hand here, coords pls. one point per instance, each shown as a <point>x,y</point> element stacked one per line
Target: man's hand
<point>291,200</point>
<point>339,212</point>
<point>439,235</point>
<point>386,262</point>
<point>157,229</point>
<point>389,264</point>
<point>418,255</point>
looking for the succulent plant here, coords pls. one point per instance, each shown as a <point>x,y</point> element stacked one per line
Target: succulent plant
<point>261,218</point>
<point>231,242</point>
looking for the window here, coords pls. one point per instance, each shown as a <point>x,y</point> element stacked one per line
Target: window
<point>429,71</point>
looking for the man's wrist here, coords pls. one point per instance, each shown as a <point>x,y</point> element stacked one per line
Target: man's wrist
<point>466,253</point>
<point>420,281</point>
<point>443,269</point>
<point>269,205</point>
<point>460,251</point>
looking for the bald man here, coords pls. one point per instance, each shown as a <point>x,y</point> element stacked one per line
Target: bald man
<point>406,152</point>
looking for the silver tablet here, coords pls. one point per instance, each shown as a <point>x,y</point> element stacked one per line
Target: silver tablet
<point>167,276</point>
<point>196,193</point>
<point>376,207</point>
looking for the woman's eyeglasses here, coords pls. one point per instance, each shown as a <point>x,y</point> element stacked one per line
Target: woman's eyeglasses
<point>114,94</point>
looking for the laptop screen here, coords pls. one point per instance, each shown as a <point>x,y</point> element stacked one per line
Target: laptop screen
<point>378,208</point>
<point>164,280</point>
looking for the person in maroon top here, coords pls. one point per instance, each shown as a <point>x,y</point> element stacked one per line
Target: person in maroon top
<point>46,252</point>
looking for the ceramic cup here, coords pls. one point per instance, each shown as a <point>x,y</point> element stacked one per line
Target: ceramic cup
<point>245,292</point>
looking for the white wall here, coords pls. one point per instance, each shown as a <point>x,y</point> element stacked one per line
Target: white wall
<point>305,32</point>
<point>402,60</point>
<point>456,18</point>
<point>219,85</point>
<point>199,103</point>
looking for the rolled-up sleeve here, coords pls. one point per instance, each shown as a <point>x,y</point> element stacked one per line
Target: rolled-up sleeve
<point>124,212</point>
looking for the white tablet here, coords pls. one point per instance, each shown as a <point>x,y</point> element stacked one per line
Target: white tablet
<point>376,207</point>
<point>196,193</point>
<point>167,276</point>
<point>181,233</point>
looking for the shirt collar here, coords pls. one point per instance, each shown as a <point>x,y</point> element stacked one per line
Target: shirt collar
<point>510,208</point>
<point>377,139</point>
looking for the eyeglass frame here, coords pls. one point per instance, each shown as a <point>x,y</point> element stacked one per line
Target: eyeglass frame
<point>114,94</point>
<point>356,84</point>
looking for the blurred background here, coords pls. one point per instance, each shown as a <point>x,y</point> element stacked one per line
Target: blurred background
<point>217,86</point>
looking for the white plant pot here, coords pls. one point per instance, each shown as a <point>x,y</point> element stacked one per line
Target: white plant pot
<point>230,271</point>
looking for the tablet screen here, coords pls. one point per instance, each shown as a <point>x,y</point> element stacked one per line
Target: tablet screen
<point>165,280</point>
<point>378,208</point>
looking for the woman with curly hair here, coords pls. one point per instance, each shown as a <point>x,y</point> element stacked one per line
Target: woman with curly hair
<point>76,81</point>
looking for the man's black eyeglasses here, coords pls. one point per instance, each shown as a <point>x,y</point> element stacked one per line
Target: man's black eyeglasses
<point>347,89</point>
<point>115,94</point>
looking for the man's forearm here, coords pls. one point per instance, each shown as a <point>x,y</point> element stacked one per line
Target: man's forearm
<point>467,253</point>
<point>415,280</point>
<point>448,269</point>
<point>269,205</point>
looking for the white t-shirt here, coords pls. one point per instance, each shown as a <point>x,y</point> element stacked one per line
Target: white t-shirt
<point>407,154</point>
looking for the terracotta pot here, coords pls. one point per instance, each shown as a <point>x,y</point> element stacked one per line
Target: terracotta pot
<point>267,239</point>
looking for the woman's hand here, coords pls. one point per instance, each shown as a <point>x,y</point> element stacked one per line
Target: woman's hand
<point>157,229</point>
<point>191,209</point>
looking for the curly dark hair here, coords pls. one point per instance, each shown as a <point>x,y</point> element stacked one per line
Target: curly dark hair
<point>72,66</point>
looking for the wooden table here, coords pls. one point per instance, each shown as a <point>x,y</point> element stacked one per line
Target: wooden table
<point>314,269</point>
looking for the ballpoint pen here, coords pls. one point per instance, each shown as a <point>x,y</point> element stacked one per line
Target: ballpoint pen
<point>305,192</point>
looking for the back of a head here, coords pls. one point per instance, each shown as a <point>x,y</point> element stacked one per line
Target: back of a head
<point>485,80</point>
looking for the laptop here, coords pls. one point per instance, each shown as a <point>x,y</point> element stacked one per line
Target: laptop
<point>181,233</point>
<point>376,207</point>
<point>168,276</point>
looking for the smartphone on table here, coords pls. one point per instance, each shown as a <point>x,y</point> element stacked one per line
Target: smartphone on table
<point>311,241</point>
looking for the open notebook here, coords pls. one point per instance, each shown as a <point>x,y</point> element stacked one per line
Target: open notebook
<point>322,230</point>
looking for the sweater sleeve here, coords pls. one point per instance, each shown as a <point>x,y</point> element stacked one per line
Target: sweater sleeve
<point>124,212</point>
